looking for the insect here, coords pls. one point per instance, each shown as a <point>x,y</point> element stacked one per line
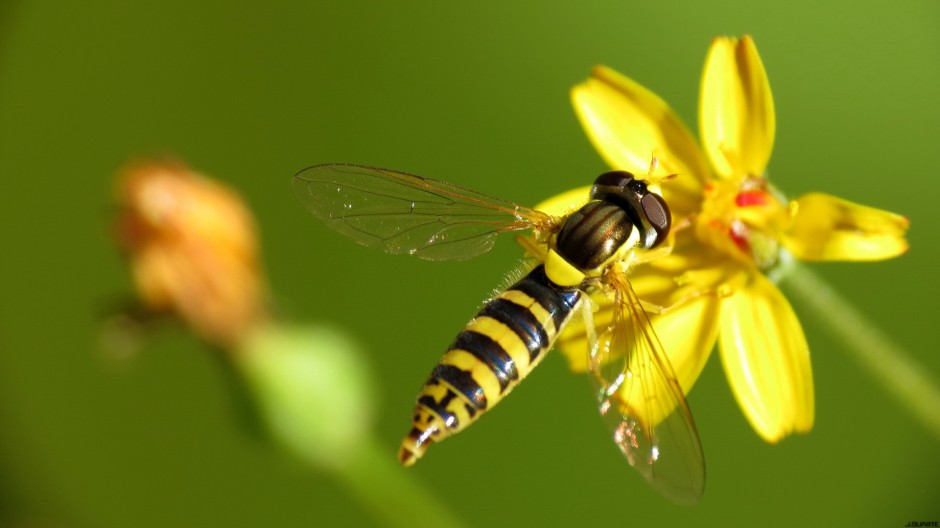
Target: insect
<point>582,253</point>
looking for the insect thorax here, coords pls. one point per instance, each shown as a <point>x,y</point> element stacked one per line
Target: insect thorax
<point>622,214</point>
<point>594,234</point>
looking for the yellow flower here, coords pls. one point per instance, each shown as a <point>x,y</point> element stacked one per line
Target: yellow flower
<point>192,248</point>
<point>734,231</point>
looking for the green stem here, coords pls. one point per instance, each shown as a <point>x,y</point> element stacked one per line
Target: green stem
<point>899,372</point>
<point>387,490</point>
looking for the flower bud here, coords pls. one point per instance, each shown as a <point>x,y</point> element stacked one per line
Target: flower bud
<point>192,249</point>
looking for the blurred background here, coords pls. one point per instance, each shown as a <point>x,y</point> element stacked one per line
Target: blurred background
<point>477,94</point>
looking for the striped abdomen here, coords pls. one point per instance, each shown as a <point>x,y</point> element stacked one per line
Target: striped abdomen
<point>496,350</point>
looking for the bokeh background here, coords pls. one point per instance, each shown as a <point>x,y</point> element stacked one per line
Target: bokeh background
<point>475,93</point>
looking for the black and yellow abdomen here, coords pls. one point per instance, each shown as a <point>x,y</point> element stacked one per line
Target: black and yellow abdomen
<point>496,350</point>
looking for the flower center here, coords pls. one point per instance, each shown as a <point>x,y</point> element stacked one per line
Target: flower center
<point>740,217</point>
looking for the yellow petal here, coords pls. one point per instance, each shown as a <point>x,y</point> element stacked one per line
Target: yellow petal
<point>766,360</point>
<point>629,126</point>
<point>825,227</point>
<point>736,109</point>
<point>686,286</point>
<point>566,202</point>
<point>687,334</point>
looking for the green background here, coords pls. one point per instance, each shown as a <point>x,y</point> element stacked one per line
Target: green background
<point>475,93</point>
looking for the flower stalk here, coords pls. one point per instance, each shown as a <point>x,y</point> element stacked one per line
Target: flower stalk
<point>913,385</point>
<point>377,480</point>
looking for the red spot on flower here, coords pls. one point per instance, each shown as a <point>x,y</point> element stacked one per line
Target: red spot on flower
<point>749,198</point>
<point>740,238</point>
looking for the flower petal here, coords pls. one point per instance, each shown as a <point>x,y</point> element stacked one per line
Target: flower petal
<point>766,360</point>
<point>629,126</point>
<point>736,109</point>
<point>566,202</point>
<point>825,227</point>
<point>688,298</point>
<point>687,334</point>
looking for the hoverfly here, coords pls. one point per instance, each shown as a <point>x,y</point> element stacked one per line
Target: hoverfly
<point>582,253</point>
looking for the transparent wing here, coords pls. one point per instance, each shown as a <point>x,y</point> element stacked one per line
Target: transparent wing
<point>402,213</point>
<point>642,402</point>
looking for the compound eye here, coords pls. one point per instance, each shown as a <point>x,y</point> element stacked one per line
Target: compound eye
<point>657,214</point>
<point>614,179</point>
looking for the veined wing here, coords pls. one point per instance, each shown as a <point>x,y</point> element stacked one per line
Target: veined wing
<point>402,213</point>
<point>642,401</point>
